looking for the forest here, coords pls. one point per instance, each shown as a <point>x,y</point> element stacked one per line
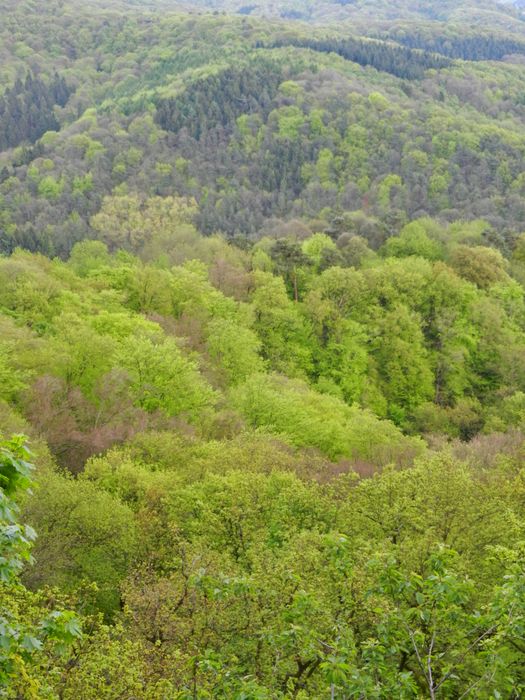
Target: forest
<point>262,350</point>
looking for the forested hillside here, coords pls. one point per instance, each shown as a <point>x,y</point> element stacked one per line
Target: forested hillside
<point>262,350</point>
<point>256,122</point>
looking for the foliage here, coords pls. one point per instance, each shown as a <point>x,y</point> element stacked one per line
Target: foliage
<point>21,638</point>
<point>392,59</point>
<point>262,316</point>
<point>26,109</point>
<point>256,122</point>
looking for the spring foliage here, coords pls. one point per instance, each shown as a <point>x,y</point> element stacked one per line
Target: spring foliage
<point>262,321</point>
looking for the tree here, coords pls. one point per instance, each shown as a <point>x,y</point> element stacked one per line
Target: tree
<point>84,535</point>
<point>480,265</point>
<point>161,378</point>
<point>318,247</point>
<point>403,365</point>
<point>235,349</point>
<point>88,256</point>
<point>290,408</point>
<point>12,381</point>
<point>429,639</point>
<point>22,640</point>
<point>284,334</point>
<point>413,240</point>
<point>131,222</point>
<point>288,258</point>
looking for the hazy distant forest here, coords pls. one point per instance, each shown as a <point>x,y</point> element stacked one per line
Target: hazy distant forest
<point>262,350</point>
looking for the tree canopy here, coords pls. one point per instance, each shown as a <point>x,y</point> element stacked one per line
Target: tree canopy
<point>262,350</point>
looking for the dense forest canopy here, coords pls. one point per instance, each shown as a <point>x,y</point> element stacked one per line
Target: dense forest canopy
<point>327,10</point>
<point>255,121</point>
<point>262,350</point>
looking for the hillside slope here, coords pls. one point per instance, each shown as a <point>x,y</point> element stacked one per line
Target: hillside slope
<point>255,121</point>
<point>262,327</point>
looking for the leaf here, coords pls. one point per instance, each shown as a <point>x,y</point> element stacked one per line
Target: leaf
<point>30,643</point>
